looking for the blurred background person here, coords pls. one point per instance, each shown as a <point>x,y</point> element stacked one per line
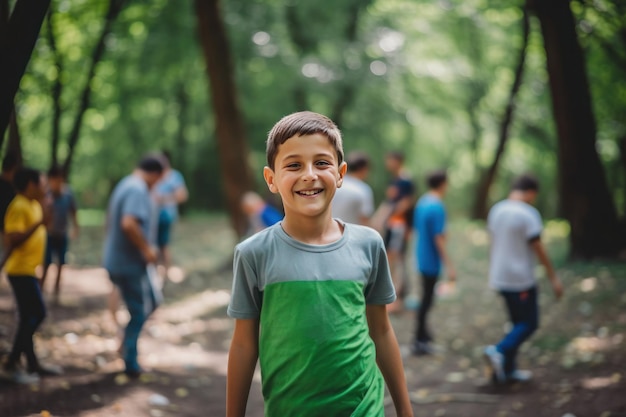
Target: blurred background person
<point>130,252</point>
<point>354,200</point>
<point>63,210</point>
<point>515,228</point>
<point>169,192</point>
<point>400,201</point>
<point>25,240</point>
<point>7,189</point>
<point>260,213</point>
<point>431,253</point>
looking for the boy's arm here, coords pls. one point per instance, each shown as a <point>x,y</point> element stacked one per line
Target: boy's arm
<point>242,358</point>
<point>131,228</point>
<point>15,239</point>
<point>74,216</point>
<point>540,251</point>
<point>388,358</point>
<point>440,243</point>
<point>181,194</point>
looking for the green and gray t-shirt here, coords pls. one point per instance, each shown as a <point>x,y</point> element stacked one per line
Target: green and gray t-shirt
<point>316,355</point>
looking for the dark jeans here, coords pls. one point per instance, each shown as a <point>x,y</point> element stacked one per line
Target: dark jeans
<point>56,246</point>
<point>524,314</point>
<point>140,302</point>
<point>32,312</point>
<point>422,334</point>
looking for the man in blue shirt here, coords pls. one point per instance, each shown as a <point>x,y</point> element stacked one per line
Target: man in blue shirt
<point>429,223</point>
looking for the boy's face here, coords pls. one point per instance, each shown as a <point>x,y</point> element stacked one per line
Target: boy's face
<point>306,174</point>
<point>55,184</point>
<point>36,190</point>
<point>152,178</point>
<point>530,196</point>
<point>392,164</point>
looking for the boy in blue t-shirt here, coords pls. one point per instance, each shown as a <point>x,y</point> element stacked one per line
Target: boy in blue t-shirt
<point>430,225</point>
<point>310,293</point>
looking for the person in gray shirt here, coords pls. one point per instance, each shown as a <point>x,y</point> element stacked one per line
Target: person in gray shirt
<point>130,247</point>
<point>515,227</point>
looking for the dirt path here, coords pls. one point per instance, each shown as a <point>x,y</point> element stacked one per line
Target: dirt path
<point>578,355</point>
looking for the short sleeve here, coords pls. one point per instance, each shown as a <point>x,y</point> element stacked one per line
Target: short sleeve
<point>177,180</point>
<point>534,224</point>
<point>15,219</point>
<point>246,299</point>
<point>137,204</point>
<point>380,289</point>
<point>438,220</point>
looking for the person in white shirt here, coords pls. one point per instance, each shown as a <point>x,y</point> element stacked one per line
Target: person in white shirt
<point>515,227</point>
<point>354,201</point>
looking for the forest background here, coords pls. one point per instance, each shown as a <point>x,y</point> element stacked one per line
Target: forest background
<point>486,89</point>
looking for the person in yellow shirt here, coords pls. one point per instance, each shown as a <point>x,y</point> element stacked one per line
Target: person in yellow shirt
<point>25,239</point>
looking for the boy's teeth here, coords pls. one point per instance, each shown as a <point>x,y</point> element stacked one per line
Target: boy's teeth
<point>308,192</point>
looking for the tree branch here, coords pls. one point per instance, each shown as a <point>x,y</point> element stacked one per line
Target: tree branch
<point>115,6</point>
<point>480,204</point>
<point>57,90</point>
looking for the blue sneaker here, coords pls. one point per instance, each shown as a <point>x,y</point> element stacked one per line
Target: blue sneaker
<point>495,361</point>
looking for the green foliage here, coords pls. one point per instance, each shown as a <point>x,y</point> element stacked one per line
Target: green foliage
<point>429,78</point>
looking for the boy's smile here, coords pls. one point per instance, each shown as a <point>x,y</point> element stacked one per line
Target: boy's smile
<point>306,174</point>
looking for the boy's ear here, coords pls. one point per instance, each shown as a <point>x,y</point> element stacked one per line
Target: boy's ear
<point>343,168</point>
<point>268,174</point>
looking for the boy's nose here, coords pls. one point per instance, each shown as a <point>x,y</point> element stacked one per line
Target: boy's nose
<point>310,173</point>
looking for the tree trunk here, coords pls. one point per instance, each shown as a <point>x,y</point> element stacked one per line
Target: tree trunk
<point>479,210</point>
<point>231,141</point>
<point>622,152</point>
<point>115,6</point>
<point>15,50</point>
<point>14,146</point>
<point>585,200</point>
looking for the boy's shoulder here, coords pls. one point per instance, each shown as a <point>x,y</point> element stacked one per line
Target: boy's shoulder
<point>20,203</point>
<point>515,205</point>
<point>258,240</point>
<point>359,234</point>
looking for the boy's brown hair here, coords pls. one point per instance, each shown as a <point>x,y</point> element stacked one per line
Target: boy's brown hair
<point>299,124</point>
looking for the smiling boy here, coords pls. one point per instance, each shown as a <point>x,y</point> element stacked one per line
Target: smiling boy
<point>309,293</point>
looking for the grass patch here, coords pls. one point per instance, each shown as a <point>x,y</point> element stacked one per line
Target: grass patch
<point>91,217</point>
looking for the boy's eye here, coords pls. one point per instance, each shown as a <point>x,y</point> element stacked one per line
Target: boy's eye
<point>293,166</point>
<point>323,163</point>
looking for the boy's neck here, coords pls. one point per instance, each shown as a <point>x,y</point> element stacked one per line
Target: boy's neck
<point>436,192</point>
<point>313,231</point>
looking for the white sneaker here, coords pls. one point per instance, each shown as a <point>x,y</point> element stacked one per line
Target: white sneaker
<point>495,361</point>
<point>520,375</point>
<point>20,377</point>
